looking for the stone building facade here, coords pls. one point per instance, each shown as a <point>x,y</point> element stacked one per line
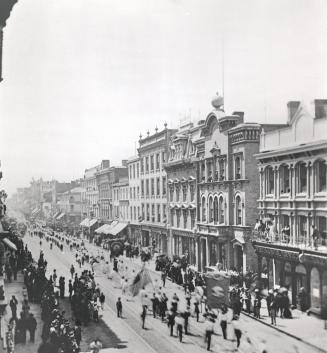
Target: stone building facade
<point>153,152</point>
<point>135,217</point>
<point>293,196</point>
<point>181,169</point>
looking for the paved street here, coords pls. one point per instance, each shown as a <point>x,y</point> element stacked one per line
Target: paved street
<point>156,336</point>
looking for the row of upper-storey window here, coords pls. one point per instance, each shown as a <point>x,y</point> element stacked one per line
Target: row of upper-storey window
<point>213,210</point>
<point>121,193</point>
<point>214,169</point>
<point>182,192</point>
<point>282,177</point>
<point>183,218</point>
<point>154,213</point>
<point>134,171</point>
<point>153,162</point>
<point>134,193</point>
<point>151,187</point>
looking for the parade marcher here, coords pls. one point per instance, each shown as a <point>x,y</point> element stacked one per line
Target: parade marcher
<point>78,332</point>
<point>25,309</point>
<point>209,329</point>
<point>163,278</point>
<point>171,322</point>
<point>180,322</point>
<point>54,277</point>
<point>223,321</point>
<point>143,316</point>
<point>62,287</point>
<point>186,314</point>
<point>31,325</point>
<point>155,304</point>
<point>174,302</point>
<point>119,307</point>
<point>72,271</point>
<point>70,289</point>
<point>102,299</point>
<point>196,310</point>
<point>237,330</point>
<point>13,306</point>
<point>21,329</point>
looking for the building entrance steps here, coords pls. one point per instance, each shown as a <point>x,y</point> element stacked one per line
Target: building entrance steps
<point>16,288</point>
<point>308,329</point>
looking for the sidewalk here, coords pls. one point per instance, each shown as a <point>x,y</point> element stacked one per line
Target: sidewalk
<point>16,288</point>
<point>307,329</point>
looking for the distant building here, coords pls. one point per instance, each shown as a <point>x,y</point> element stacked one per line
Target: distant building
<point>70,204</point>
<point>293,199</point>
<point>91,192</point>
<point>106,176</point>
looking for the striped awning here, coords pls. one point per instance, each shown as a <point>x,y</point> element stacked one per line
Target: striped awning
<point>10,244</point>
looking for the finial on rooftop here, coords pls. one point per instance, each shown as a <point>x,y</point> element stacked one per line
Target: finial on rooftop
<point>165,125</point>
<point>140,136</point>
<point>156,129</point>
<point>148,133</point>
<point>217,101</point>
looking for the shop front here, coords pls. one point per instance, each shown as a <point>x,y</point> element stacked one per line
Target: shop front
<point>297,271</point>
<point>185,244</point>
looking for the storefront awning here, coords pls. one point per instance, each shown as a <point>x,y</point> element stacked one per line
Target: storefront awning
<point>36,210</point>
<point>84,222</point>
<point>87,222</point>
<point>102,229</point>
<point>118,228</point>
<point>9,243</point>
<point>56,215</point>
<point>62,214</point>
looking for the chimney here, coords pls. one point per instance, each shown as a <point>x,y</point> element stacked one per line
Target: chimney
<point>105,163</point>
<point>241,115</point>
<point>292,107</point>
<point>124,162</point>
<point>320,108</point>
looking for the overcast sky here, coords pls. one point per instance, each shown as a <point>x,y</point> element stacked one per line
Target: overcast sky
<point>83,78</point>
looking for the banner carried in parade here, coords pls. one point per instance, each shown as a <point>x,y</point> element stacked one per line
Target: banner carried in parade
<point>141,280</point>
<point>217,288</point>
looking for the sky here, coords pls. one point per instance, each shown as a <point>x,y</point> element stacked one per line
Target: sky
<point>83,78</point>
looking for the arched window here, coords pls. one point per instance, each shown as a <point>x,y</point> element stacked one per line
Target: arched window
<point>237,168</point>
<point>221,210</point>
<point>302,177</point>
<point>210,210</point>
<point>204,210</point>
<point>215,210</point>
<point>284,178</point>
<point>270,180</point>
<point>320,175</point>
<point>238,210</point>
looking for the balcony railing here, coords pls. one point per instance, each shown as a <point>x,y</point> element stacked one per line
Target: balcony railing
<point>301,242</point>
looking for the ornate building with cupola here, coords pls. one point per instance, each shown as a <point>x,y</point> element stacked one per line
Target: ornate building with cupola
<point>293,200</point>
<point>181,169</point>
<point>228,189</point>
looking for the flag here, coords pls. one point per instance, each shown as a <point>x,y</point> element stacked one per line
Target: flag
<point>141,280</point>
<point>217,286</point>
